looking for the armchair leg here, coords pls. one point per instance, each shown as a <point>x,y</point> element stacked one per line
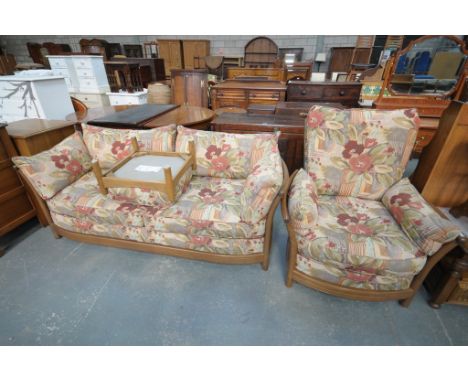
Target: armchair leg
<point>407,301</point>
<point>266,263</point>
<point>291,263</point>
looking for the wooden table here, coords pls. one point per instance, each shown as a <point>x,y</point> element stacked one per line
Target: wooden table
<point>189,116</point>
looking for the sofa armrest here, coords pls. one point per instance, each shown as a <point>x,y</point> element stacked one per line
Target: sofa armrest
<point>261,187</point>
<point>421,223</point>
<point>302,204</point>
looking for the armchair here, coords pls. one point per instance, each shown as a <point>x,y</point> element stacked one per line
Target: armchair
<point>356,229</point>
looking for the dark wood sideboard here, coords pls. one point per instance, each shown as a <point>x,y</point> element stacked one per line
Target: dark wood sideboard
<point>291,140</point>
<point>345,93</point>
<point>238,93</point>
<point>151,69</point>
<point>15,205</point>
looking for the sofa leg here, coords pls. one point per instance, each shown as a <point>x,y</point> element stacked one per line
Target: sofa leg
<point>266,263</point>
<point>407,301</point>
<point>56,235</point>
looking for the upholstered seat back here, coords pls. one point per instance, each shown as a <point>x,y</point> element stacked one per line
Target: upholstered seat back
<point>358,152</point>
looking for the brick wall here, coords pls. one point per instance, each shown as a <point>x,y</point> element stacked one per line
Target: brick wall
<point>220,44</point>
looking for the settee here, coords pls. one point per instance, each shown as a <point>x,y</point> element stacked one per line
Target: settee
<point>224,213</point>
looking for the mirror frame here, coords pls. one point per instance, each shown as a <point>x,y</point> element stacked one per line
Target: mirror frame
<point>401,52</point>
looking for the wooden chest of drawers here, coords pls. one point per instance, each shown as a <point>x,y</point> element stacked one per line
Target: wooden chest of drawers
<point>233,93</point>
<point>345,93</point>
<point>291,141</point>
<point>277,74</point>
<point>15,206</point>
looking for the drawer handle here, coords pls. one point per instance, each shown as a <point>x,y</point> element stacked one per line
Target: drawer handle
<point>342,93</point>
<point>303,92</point>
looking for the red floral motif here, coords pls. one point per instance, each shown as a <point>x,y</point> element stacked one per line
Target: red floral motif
<point>360,229</point>
<point>389,150</point>
<point>220,164</point>
<point>314,119</point>
<point>417,222</point>
<point>361,163</point>
<point>410,113</point>
<point>404,199</point>
<point>345,219</point>
<point>74,167</point>
<point>211,197</point>
<point>362,217</point>
<point>127,207</point>
<point>213,151</point>
<point>352,148</point>
<point>370,142</point>
<point>310,235</point>
<point>313,175</point>
<point>331,244</point>
<point>397,213</point>
<point>85,226</point>
<point>200,240</point>
<point>360,274</point>
<point>84,210</point>
<point>60,160</point>
<point>152,210</point>
<point>202,223</point>
<point>120,149</point>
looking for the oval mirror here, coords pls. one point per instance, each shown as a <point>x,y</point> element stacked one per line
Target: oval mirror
<point>430,65</point>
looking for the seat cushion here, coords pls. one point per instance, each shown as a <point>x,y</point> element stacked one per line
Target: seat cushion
<point>354,278</point>
<point>359,235</point>
<point>109,146</point>
<point>51,171</point>
<point>210,207</point>
<point>358,152</point>
<point>83,200</point>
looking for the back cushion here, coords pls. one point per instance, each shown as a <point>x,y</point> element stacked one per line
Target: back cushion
<point>358,152</point>
<point>224,155</point>
<point>51,171</point>
<point>109,146</point>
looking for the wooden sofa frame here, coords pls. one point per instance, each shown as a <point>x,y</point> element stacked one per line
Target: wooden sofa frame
<point>404,296</point>
<point>263,257</point>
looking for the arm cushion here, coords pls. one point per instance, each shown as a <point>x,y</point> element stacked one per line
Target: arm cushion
<point>51,171</point>
<point>261,188</point>
<point>417,218</point>
<point>302,204</point>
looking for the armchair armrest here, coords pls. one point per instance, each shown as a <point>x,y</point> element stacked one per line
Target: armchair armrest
<point>261,187</point>
<point>302,207</point>
<point>421,223</point>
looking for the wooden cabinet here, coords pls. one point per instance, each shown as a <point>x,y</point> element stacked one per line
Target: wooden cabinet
<point>291,140</point>
<point>194,52</point>
<point>429,111</point>
<point>31,136</point>
<point>151,69</point>
<point>442,172</point>
<point>190,87</point>
<point>233,93</point>
<point>276,74</point>
<point>448,281</point>
<point>345,93</point>
<point>15,206</point>
<point>171,52</point>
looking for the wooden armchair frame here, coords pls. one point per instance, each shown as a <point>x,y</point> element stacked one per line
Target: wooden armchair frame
<point>404,296</point>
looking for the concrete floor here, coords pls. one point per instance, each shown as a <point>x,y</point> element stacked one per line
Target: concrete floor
<point>61,292</point>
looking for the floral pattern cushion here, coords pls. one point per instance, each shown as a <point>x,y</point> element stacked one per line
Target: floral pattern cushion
<point>222,155</point>
<point>358,152</point>
<point>417,218</point>
<point>264,181</point>
<point>353,278</point>
<point>359,235</point>
<point>82,200</point>
<point>221,245</point>
<point>302,203</point>
<point>109,146</point>
<point>210,207</point>
<point>88,227</point>
<point>150,197</point>
<point>52,170</point>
